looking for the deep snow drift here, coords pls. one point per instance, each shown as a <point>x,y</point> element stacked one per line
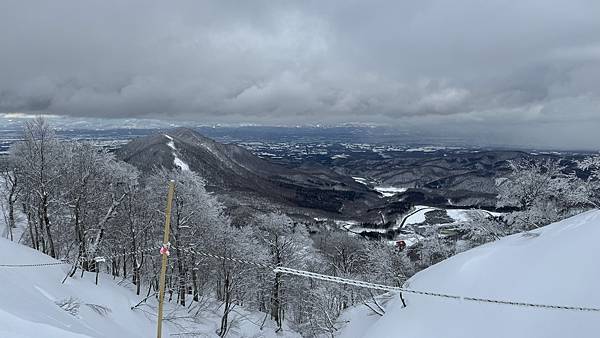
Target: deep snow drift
<point>555,265</point>
<point>29,297</point>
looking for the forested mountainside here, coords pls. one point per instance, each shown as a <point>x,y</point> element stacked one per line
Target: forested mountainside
<point>231,169</point>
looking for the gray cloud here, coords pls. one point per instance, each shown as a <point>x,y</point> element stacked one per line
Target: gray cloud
<point>526,70</point>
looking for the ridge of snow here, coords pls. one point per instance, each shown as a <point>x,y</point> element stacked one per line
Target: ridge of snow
<point>176,160</point>
<point>171,143</point>
<point>556,265</point>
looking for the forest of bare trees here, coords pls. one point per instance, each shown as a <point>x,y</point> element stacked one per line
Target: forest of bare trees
<point>80,203</point>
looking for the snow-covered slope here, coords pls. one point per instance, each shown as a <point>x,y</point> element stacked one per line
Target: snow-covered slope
<point>556,264</point>
<point>29,297</point>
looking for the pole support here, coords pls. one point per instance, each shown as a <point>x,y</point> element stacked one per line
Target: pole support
<point>164,254</point>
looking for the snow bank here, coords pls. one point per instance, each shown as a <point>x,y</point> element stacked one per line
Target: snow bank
<point>29,297</point>
<point>556,264</point>
<point>28,301</point>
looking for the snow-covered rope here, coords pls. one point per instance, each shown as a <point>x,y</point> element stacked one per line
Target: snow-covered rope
<point>533,305</point>
<point>67,262</point>
<point>426,293</point>
<point>231,259</point>
<point>31,265</point>
<point>334,279</point>
<point>123,254</point>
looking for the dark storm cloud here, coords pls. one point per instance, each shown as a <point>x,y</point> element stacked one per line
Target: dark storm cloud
<point>522,68</point>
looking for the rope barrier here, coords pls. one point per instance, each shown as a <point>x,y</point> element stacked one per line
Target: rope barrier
<point>426,293</point>
<point>33,265</point>
<point>67,262</point>
<point>382,287</point>
<point>105,258</point>
<point>231,259</point>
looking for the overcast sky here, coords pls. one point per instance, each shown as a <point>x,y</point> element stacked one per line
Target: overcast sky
<point>520,72</point>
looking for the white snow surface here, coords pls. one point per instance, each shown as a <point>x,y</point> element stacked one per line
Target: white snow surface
<point>555,265</point>
<point>389,191</point>
<point>360,180</point>
<point>182,165</point>
<point>171,143</point>
<point>28,306</point>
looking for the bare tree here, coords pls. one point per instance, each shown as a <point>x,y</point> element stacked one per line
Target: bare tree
<point>12,188</point>
<point>36,165</point>
<point>288,245</point>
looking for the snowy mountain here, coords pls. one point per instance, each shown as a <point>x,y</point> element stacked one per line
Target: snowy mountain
<point>231,169</point>
<point>34,303</point>
<point>553,265</point>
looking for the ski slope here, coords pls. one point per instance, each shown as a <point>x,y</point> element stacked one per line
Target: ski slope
<point>555,265</point>
<point>29,297</point>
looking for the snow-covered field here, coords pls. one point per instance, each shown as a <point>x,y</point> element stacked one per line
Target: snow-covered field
<point>555,265</point>
<point>458,215</point>
<point>385,191</point>
<point>389,191</point>
<point>29,297</point>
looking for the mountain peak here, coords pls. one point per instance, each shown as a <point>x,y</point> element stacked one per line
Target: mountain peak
<point>187,133</point>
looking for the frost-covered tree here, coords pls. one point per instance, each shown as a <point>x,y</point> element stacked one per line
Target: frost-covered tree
<point>541,193</point>
<point>287,244</point>
<point>70,192</point>
<point>591,165</point>
<point>480,227</point>
<point>435,247</point>
<point>139,222</point>
<point>10,188</point>
<point>344,256</point>
<point>95,187</point>
<point>196,218</point>
<point>35,162</point>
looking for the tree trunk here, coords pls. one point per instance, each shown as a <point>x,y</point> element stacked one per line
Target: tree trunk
<point>124,264</point>
<point>196,292</point>
<point>226,306</point>
<point>40,232</point>
<point>52,252</point>
<point>11,214</point>
<point>276,301</point>
<point>31,227</point>
<point>181,285</point>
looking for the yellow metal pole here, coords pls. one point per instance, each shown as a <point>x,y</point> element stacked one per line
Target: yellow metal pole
<point>163,268</point>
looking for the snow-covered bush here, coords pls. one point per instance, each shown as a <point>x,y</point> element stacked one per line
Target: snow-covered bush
<point>70,305</point>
